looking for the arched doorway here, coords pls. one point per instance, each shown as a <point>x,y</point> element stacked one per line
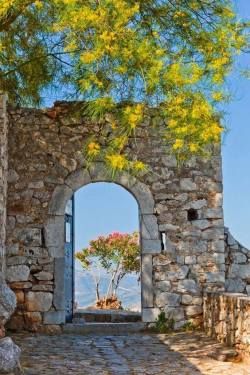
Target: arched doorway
<point>109,282</point>
<point>149,232</point>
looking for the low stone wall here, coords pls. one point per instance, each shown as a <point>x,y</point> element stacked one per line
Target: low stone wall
<point>237,261</point>
<point>227,318</point>
<point>3,177</point>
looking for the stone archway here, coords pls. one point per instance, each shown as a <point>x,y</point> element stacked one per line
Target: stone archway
<point>54,232</point>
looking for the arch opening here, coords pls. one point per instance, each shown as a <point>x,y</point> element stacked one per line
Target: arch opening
<point>55,230</point>
<point>107,213</point>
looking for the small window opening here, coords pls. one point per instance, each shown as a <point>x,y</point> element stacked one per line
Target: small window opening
<point>163,240</point>
<point>192,214</point>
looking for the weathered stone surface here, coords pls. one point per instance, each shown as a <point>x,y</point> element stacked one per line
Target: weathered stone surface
<point>193,310</point>
<point>54,317</point>
<point>176,272</point>
<point>9,355</point>
<point>30,236</point>
<point>235,285</point>
<point>169,299</point>
<point>43,181</point>
<point>188,286</point>
<point>147,284</point>
<point>227,318</point>
<point>43,275</point>
<point>32,320</point>
<point>163,286</point>
<point>150,314</point>
<point>7,301</point>
<point>17,273</point>
<point>149,227</point>
<point>187,184</point>
<point>38,301</point>
<point>176,313</point>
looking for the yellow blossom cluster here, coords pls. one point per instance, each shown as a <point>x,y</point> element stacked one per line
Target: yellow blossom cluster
<point>124,57</point>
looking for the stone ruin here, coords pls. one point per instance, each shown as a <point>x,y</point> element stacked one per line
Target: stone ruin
<point>42,165</point>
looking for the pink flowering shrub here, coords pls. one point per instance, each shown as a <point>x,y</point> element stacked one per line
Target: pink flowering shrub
<point>118,253</point>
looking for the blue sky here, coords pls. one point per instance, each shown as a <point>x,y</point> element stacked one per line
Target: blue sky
<point>103,208</point>
<point>236,149</point>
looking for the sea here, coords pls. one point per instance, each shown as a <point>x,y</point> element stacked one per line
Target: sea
<point>129,291</point>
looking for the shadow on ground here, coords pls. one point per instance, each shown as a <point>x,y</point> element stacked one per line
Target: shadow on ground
<point>135,354</point>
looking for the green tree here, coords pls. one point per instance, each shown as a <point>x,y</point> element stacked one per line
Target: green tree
<point>117,253</point>
<point>124,57</point>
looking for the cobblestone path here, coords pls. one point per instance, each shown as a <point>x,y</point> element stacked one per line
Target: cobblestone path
<point>178,354</point>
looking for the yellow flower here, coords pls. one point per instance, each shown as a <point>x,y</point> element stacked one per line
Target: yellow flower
<point>88,57</point>
<point>217,96</point>
<point>193,147</point>
<point>139,166</point>
<point>178,144</point>
<point>117,162</point>
<point>93,149</point>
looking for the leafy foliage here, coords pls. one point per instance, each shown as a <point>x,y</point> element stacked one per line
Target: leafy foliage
<point>117,253</point>
<point>164,324</point>
<point>124,57</point>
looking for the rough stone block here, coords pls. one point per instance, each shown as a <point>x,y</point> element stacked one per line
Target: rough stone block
<point>54,317</point>
<point>176,313</point>
<point>149,227</point>
<point>38,301</point>
<point>7,301</point>
<point>9,356</point>
<point>59,198</point>
<point>150,315</point>
<point>150,246</point>
<point>30,236</point>
<point>54,236</point>
<point>192,311</point>
<point>188,286</point>
<point>163,286</point>
<point>59,298</point>
<point>187,184</point>
<point>146,280</point>
<point>169,299</point>
<point>215,277</point>
<point>43,275</point>
<point>78,179</point>
<point>17,273</point>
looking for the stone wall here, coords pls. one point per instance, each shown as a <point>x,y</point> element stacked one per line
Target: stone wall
<point>3,177</point>
<point>46,165</point>
<point>237,259</point>
<point>227,318</point>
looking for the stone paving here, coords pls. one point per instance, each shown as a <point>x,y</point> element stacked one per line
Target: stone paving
<point>138,354</point>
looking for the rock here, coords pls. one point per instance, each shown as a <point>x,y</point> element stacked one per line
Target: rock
<point>176,272</point>
<point>164,286</point>
<point>193,310</point>
<point>196,205</point>
<point>187,184</point>
<point>7,301</point>
<point>44,275</point>
<point>38,301</point>
<point>36,185</point>
<point>151,314</point>
<point>175,313</point>
<point>188,286</point>
<point>186,299</point>
<point>169,299</point>
<point>190,259</point>
<point>235,285</point>
<point>9,355</point>
<point>32,319</point>
<point>17,273</point>
<point>30,236</point>
<point>201,224</point>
